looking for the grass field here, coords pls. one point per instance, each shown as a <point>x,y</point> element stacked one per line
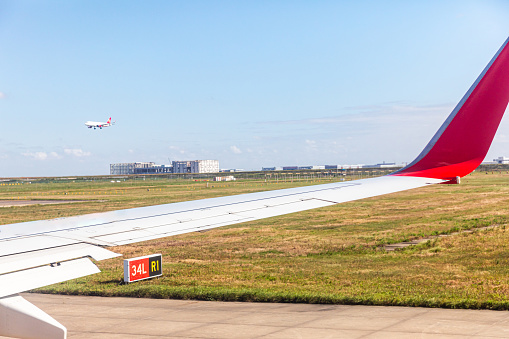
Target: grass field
<point>328,255</point>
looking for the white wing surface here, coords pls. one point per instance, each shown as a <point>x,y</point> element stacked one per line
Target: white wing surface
<point>146,223</point>
<point>38,253</point>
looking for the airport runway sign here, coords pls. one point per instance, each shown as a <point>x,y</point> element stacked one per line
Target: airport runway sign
<point>142,268</point>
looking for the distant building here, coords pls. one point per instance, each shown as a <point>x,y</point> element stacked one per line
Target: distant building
<point>311,167</point>
<point>383,165</point>
<point>344,166</point>
<point>231,170</point>
<point>181,166</point>
<point>501,160</point>
<point>156,169</point>
<point>277,168</point>
<point>227,178</point>
<point>338,167</point>
<point>129,168</point>
<point>205,166</point>
<point>195,166</point>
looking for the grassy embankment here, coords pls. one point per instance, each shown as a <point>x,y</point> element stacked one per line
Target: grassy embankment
<point>328,255</point>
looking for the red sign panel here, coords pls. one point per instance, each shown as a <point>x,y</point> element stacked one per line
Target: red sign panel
<point>140,268</point>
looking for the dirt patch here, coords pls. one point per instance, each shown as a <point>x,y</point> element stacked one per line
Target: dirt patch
<point>392,247</point>
<point>11,203</point>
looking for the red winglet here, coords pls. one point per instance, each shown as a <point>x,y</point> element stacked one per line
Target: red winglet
<point>463,140</point>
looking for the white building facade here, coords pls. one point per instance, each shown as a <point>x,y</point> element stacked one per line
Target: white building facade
<point>205,166</point>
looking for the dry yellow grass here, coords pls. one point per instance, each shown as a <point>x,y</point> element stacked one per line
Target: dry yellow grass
<point>329,255</point>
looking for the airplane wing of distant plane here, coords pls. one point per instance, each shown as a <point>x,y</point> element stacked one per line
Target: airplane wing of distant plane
<point>39,253</point>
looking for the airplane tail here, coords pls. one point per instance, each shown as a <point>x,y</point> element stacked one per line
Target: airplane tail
<point>109,121</point>
<point>463,140</point>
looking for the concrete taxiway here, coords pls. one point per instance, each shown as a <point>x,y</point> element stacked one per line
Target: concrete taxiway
<point>108,318</point>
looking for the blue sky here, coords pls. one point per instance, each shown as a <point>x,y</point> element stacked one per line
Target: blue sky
<point>249,83</point>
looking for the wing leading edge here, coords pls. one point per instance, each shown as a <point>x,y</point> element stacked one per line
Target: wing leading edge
<point>38,253</point>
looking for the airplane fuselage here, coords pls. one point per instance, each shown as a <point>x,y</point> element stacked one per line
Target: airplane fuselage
<point>98,124</point>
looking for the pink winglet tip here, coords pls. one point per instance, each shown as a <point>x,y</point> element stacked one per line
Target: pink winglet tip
<point>464,139</point>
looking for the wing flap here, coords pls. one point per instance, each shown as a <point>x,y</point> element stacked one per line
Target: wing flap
<point>20,281</point>
<point>31,243</point>
<point>27,260</point>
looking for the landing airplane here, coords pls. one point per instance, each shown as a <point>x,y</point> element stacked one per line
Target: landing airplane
<point>97,124</point>
<point>39,253</point>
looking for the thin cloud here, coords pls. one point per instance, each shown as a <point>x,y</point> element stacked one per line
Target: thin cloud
<point>77,152</point>
<point>235,149</point>
<point>42,155</point>
<point>2,95</point>
<point>311,143</point>
<point>374,114</point>
<point>391,132</point>
<point>178,150</point>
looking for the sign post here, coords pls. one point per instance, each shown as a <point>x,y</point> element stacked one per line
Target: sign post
<point>142,268</point>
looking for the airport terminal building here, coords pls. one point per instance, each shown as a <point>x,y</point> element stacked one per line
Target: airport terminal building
<point>196,166</point>
<point>193,166</point>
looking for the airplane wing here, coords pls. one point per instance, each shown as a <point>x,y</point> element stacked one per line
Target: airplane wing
<point>39,253</point>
